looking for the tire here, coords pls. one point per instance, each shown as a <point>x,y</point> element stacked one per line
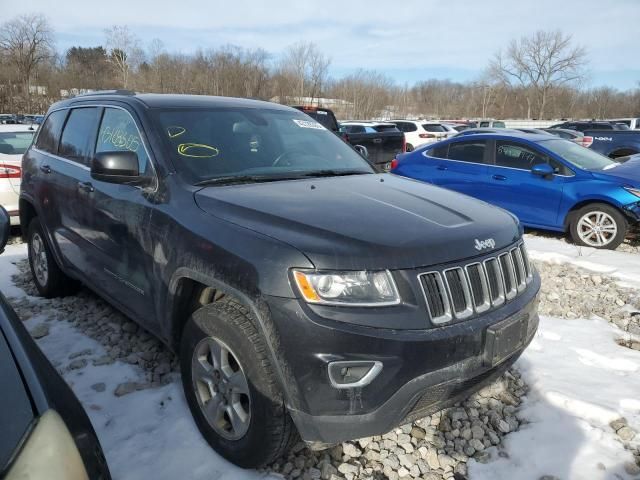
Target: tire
<point>409,147</point>
<point>609,226</point>
<point>49,279</point>
<point>267,431</point>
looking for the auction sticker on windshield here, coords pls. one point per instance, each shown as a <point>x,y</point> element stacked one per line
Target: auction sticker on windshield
<point>308,124</point>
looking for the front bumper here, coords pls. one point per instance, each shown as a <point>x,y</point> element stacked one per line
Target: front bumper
<point>423,370</point>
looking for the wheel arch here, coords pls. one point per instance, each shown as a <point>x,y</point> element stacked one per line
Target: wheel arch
<point>623,151</point>
<point>583,203</point>
<point>27,212</point>
<point>190,290</point>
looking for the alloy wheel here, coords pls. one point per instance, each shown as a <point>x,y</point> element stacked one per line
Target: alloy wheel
<point>221,388</point>
<point>39,259</point>
<point>597,228</point>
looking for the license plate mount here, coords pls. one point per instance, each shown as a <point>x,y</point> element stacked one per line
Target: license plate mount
<point>504,338</point>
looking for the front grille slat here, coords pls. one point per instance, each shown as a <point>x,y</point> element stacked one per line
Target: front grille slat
<point>459,292</point>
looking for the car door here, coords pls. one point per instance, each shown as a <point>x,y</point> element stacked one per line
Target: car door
<point>62,172</point>
<point>116,224</point>
<point>463,168</point>
<point>534,199</point>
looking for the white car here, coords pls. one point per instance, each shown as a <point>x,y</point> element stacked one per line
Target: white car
<point>14,141</point>
<point>421,132</point>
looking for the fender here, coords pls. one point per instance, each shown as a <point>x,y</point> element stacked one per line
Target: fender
<point>260,313</point>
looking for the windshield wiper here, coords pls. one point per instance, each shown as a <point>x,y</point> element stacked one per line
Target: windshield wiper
<point>234,179</point>
<point>334,173</point>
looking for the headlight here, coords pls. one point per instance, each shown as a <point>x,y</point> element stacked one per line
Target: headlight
<point>634,191</point>
<point>361,289</point>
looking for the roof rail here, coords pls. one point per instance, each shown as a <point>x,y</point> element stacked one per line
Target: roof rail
<point>107,92</point>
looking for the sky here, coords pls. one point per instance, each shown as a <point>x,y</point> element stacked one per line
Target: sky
<point>409,40</point>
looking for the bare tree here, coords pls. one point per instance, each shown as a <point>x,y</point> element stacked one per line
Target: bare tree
<point>538,64</point>
<point>124,50</point>
<point>26,42</point>
<point>306,67</point>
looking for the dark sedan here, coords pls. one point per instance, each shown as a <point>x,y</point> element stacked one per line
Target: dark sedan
<point>46,434</point>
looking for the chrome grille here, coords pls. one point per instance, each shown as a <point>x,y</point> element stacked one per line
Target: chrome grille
<point>459,292</point>
<point>437,299</point>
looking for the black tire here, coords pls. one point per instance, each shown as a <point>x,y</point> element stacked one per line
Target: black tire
<point>409,147</point>
<point>614,216</point>
<point>55,283</point>
<point>271,432</point>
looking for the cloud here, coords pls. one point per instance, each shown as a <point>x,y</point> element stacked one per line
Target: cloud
<point>409,36</point>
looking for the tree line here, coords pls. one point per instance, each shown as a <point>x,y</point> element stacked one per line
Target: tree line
<point>538,76</point>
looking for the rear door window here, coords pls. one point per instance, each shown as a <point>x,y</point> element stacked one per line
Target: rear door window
<point>484,124</point>
<point>49,134</point>
<point>79,134</point>
<point>471,151</point>
<point>119,133</point>
<point>439,152</point>
<point>498,125</point>
<point>433,128</point>
<point>410,127</point>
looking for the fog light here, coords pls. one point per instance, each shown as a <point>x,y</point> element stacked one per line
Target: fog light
<point>353,374</point>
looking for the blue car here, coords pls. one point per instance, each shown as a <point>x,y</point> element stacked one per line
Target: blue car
<point>547,182</point>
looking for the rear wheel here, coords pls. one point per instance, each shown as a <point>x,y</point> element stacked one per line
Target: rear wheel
<point>599,226</point>
<point>409,147</point>
<point>231,388</point>
<point>49,279</point>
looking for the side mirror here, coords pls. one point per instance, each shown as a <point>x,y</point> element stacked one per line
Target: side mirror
<point>5,228</point>
<point>542,169</point>
<point>362,150</point>
<point>116,167</point>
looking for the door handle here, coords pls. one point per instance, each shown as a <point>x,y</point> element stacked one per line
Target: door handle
<point>45,168</point>
<point>499,177</point>
<point>86,186</point>
<point>441,167</point>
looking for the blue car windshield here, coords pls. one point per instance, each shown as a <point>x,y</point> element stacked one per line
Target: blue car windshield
<point>578,155</point>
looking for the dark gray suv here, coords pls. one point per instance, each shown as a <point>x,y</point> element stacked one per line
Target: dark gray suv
<point>305,293</point>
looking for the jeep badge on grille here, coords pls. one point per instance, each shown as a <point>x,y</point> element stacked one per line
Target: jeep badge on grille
<point>482,244</point>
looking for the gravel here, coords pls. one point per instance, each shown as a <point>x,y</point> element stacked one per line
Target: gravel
<point>570,292</point>
<point>436,447</point>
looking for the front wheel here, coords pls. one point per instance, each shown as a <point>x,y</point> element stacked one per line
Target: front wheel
<point>231,388</point>
<point>599,226</point>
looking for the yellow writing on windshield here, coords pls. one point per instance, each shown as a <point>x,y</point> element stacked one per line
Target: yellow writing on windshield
<point>197,150</point>
<point>175,131</point>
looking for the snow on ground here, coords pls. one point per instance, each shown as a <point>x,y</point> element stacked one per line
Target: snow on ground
<point>145,435</point>
<point>620,264</point>
<point>580,380</point>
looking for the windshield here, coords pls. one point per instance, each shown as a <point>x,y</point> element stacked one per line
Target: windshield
<point>226,142</point>
<point>578,155</point>
<point>15,143</point>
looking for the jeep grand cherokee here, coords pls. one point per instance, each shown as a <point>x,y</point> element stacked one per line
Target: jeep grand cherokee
<point>305,293</point>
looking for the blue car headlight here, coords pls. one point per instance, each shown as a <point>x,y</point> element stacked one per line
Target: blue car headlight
<point>633,191</point>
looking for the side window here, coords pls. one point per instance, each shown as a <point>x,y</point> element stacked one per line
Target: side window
<point>439,152</point>
<point>484,124</point>
<point>118,132</point>
<point>50,132</point>
<point>468,151</point>
<point>516,155</point>
<point>400,126</point>
<point>410,127</point>
<point>78,134</point>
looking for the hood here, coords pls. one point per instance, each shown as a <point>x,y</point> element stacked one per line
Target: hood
<point>625,173</point>
<point>364,221</point>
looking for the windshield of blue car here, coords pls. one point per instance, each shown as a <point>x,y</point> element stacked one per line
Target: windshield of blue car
<point>15,143</point>
<point>208,144</point>
<point>578,155</point>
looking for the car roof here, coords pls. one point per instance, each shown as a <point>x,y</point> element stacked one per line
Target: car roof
<point>505,133</point>
<point>18,127</point>
<point>163,100</point>
<point>366,124</point>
